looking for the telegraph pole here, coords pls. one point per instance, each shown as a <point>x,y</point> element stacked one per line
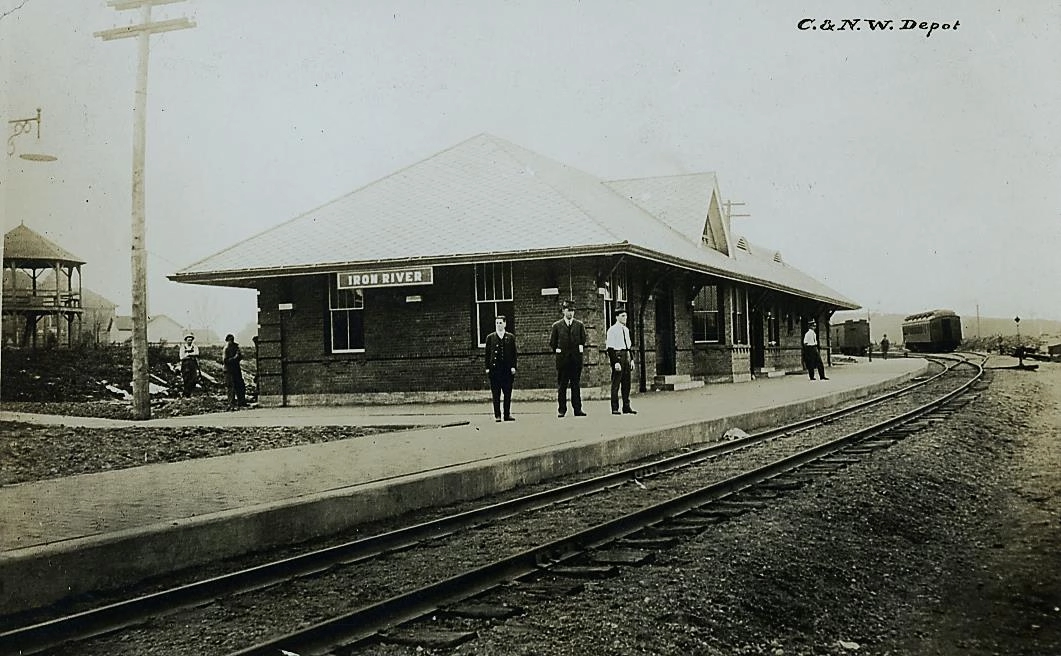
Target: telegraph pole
<point>142,32</point>
<point>729,209</point>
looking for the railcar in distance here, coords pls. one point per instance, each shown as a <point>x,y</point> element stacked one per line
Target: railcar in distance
<point>935,331</point>
<point>850,337</point>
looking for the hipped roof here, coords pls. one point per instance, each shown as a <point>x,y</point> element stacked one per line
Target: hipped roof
<point>488,199</point>
<point>27,248</point>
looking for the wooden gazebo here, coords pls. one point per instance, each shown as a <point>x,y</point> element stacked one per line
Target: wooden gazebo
<point>42,291</point>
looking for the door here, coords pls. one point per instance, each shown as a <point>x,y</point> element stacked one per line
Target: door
<point>758,343</point>
<point>665,346</point>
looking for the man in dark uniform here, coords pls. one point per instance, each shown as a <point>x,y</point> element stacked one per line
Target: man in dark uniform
<point>501,366</point>
<point>568,341</point>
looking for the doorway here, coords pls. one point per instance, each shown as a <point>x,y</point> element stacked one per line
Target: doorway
<point>666,358</point>
<point>758,355</point>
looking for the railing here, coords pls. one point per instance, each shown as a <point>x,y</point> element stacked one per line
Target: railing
<point>42,299</point>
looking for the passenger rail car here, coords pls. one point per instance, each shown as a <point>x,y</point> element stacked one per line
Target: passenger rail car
<point>850,337</point>
<point>936,331</point>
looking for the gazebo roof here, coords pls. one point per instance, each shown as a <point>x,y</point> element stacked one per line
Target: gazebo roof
<point>23,247</point>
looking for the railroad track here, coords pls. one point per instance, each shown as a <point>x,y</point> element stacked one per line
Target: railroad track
<point>593,551</point>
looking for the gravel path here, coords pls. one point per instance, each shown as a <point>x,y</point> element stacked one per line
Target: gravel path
<point>33,452</point>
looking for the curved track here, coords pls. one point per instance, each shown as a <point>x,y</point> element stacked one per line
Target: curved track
<point>551,556</point>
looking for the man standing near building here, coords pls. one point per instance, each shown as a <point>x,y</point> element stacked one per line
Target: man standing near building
<point>884,345</point>
<point>812,359</point>
<point>568,341</point>
<point>189,359</point>
<point>501,366</point>
<point>618,345</point>
<point>237,389</point>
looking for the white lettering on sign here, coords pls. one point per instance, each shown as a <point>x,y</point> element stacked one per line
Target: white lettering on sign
<point>388,278</point>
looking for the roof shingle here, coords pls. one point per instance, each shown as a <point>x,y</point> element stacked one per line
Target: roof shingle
<point>487,197</point>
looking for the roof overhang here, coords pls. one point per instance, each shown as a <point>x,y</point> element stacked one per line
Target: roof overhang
<point>248,278</point>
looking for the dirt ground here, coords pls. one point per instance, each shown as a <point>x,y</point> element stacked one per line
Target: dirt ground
<point>948,543</point>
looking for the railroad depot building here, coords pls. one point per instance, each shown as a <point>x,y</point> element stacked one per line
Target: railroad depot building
<point>388,293</point>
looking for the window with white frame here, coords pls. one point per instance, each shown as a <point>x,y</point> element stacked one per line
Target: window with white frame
<point>707,323</point>
<point>773,326</point>
<point>615,292</point>
<point>493,297</point>
<point>739,297</point>
<point>346,308</point>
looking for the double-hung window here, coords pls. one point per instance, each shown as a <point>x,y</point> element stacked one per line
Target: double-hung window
<point>739,298</point>
<point>707,324</point>
<point>614,293</point>
<point>773,326</point>
<point>493,297</point>
<point>346,309</point>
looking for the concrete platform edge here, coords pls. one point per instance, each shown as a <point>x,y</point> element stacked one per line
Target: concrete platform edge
<point>35,577</point>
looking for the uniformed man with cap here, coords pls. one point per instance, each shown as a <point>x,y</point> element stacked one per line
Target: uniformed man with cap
<point>501,366</point>
<point>568,340</point>
<point>619,355</point>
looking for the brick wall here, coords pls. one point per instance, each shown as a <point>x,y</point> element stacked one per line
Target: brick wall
<point>424,346</point>
<point>418,349</point>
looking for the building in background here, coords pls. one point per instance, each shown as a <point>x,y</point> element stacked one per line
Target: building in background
<point>392,289</point>
<point>161,329</point>
<point>206,336</point>
<point>42,295</point>
<point>97,323</point>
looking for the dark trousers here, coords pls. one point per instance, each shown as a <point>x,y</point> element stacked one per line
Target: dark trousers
<point>237,389</point>
<point>189,374</point>
<point>501,383</point>
<point>621,379</point>
<point>812,360</point>
<point>569,373</point>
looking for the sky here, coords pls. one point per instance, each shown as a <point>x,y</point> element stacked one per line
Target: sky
<point>906,170</point>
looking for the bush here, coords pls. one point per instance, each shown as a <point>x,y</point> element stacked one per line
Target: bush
<point>1009,344</point>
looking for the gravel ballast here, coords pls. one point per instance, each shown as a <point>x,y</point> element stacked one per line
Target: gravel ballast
<point>945,543</point>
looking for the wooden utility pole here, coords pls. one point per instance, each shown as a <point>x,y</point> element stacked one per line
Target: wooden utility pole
<point>143,32</point>
<point>729,209</point>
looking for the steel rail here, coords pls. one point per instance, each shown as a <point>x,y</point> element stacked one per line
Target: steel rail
<point>93,622</point>
<point>347,631</point>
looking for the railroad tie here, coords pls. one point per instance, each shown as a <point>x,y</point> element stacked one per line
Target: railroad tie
<point>628,557</point>
<point>428,638</point>
<point>483,611</point>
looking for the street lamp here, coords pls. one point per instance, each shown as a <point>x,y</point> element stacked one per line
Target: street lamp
<point>20,126</point>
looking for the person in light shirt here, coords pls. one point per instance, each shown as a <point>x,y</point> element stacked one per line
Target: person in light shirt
<point>618,344</point>
<point>189,360</point>
<point>812,359</point>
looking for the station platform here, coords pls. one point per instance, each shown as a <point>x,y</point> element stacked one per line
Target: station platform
<point>68,536</point>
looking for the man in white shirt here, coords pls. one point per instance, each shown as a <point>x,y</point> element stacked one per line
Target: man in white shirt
<point>618,344</point>
<point>189,360</point>
<point>812,359</point>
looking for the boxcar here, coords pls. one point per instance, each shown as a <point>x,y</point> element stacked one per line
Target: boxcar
<point>936,331</point>
<point>850,337</point>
